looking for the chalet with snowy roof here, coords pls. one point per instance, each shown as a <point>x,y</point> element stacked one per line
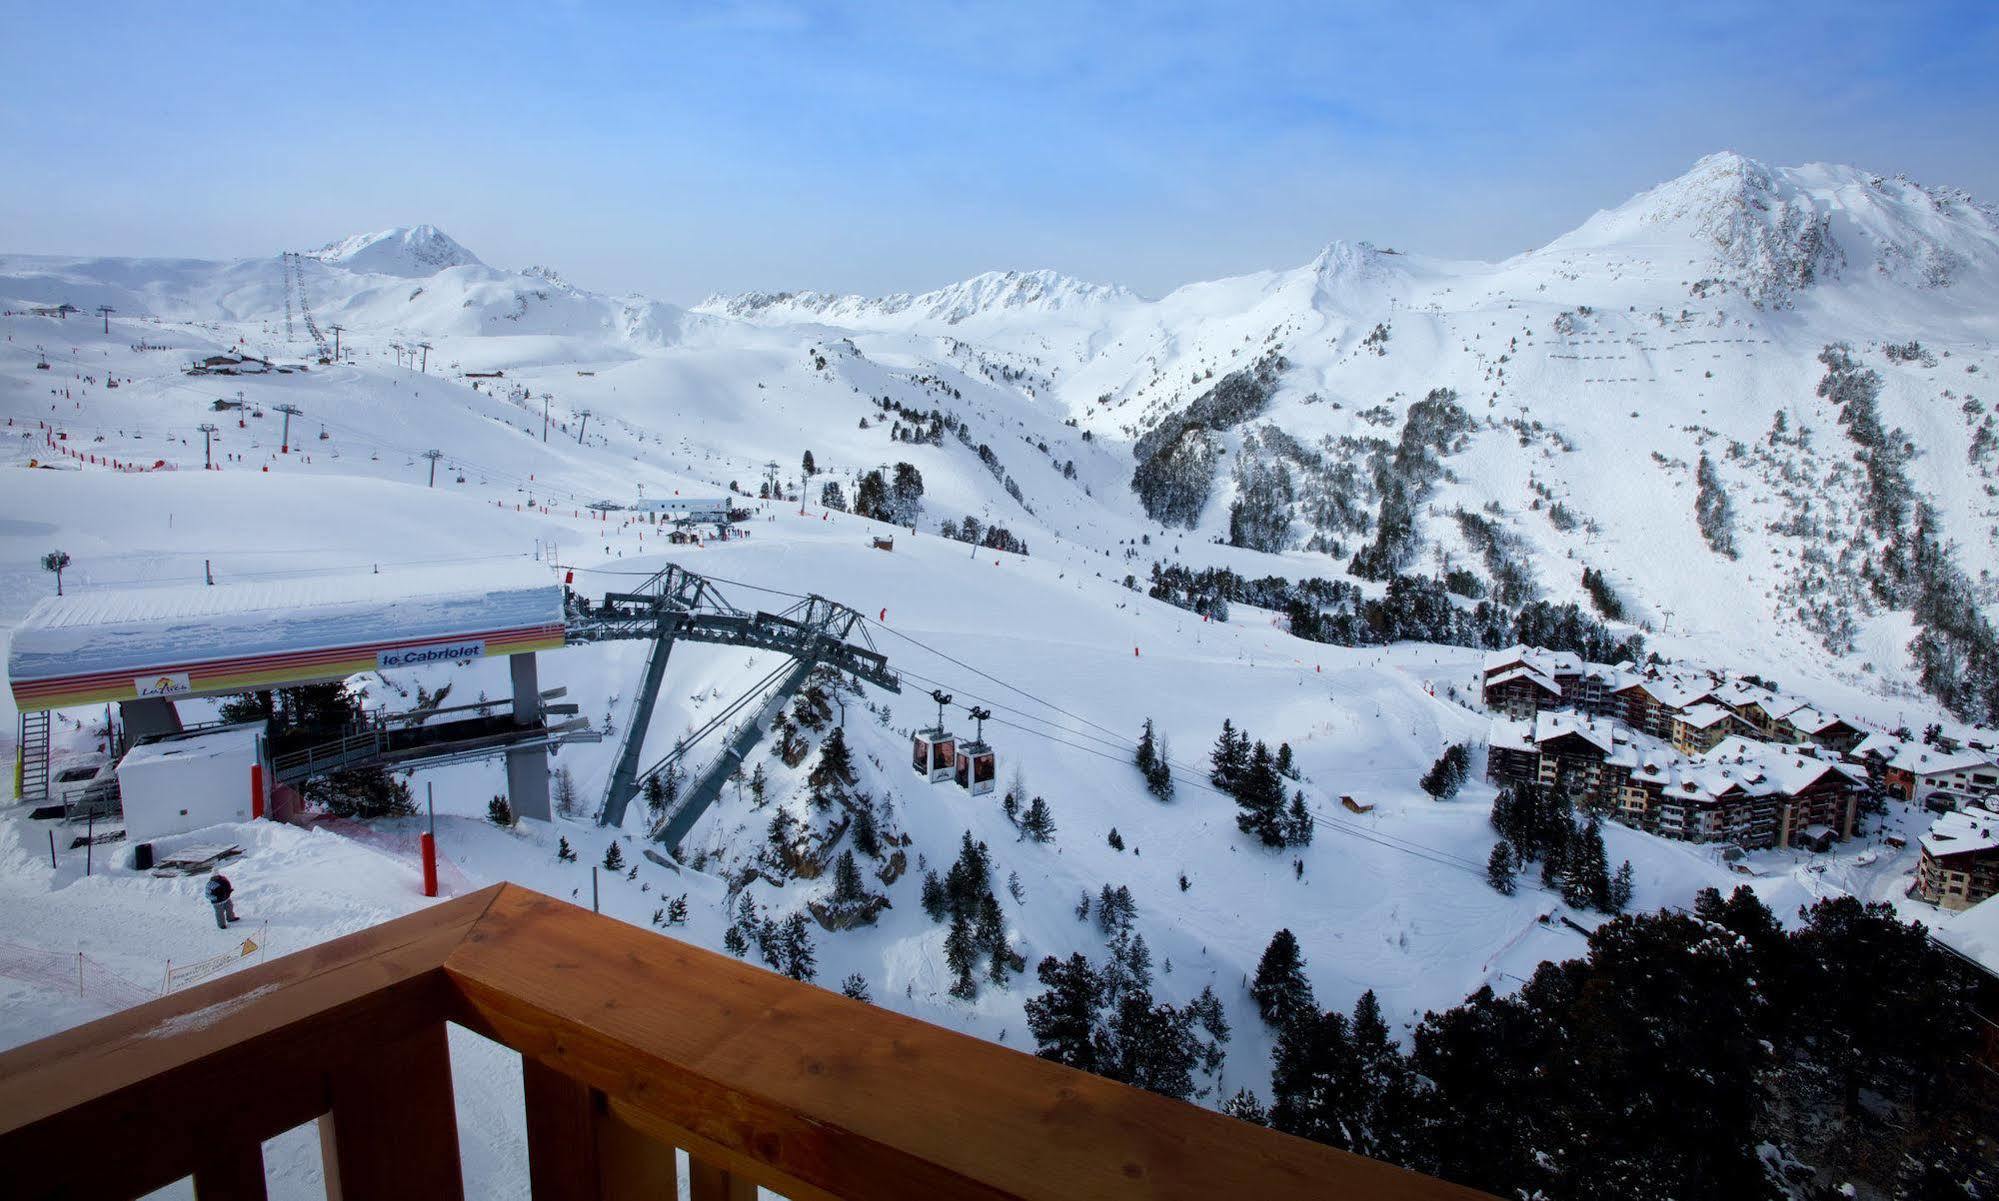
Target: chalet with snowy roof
<point>1929,775</point>
<point>1523,680</point>
<point>1960,863</point>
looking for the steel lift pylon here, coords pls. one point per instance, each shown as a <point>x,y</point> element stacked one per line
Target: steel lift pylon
<point>677,605</point>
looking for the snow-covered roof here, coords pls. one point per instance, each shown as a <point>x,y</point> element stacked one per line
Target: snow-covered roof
<point>1973,933</point>
<point>1962,831</point>
<point>1736,766</point>
<point>120,644</point>
<point>1510,735</point>
<point>1525,673</point>
<point>1920,760</point>
<point>228,742</point>
<point>1701,717</point>
<point>1553,723</point>
<point>1547,662</point>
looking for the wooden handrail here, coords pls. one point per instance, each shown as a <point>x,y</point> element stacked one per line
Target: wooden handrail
<point>632,1044</point>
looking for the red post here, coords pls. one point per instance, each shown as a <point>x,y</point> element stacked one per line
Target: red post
<point>256,790</point>
<point>429,842</point>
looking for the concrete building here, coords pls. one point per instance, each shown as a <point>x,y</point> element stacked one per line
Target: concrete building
<point>1960,861</point>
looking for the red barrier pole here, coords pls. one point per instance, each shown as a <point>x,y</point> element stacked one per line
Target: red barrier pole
<point>429,842</point>
<point>256,791</point>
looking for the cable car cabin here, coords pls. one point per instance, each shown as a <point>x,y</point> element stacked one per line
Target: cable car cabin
<point>933,753</point>
<point>978,768</point>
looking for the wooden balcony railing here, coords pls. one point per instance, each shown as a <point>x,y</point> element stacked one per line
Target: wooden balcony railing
<point>632,1045</point>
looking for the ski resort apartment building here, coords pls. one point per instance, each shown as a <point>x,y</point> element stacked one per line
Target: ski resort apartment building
<point>1960,859</point>
<point>1939,777</point>
<point>1694,711</point>
<point>1739,790</point>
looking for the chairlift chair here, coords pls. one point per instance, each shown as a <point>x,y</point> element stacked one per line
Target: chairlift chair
<point>934,752</point>
<point>977,764</point>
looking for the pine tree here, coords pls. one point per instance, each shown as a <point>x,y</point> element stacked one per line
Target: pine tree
<point>778,837</point>
<point>614,858</point>
<point>1116,841</point>
<point>799,960</point>
<point>676,911</point>
<point>808,466</point>
<point>734,943</point>
<point>1620,889</point>
<point>990,933</point>
<point>847,887</point>
<point>499,812</point>
<point>563,852</point>
<point>1315,1080</point>
<point>1596,865</point>
<point>1229,759</point>
<point>834,773</point>
<point>759,786</point>
<point>1148,751</point>
<point>1281,990</point>
<point>1160,779</point>
<point>1499,868</point>
<point>855,988</point>
<point>1039,823</point>
<point>1447,774</point>
<point>961,955</point>
<point>1063,1018</point>
<point>1284,761</point>
<point>934,902</point>
<point>1244,1107</point>
<point>1259,796</point>
<point>1297,821</point>
<point>1083,907</point>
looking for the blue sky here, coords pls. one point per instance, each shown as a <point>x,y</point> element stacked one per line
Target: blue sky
<point>680,149</point>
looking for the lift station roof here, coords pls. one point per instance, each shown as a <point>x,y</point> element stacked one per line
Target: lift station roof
<point>123,644</point>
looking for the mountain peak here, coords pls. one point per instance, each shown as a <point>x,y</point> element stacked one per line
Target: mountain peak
<point>408,250</point>
<point>1762,230</point>
<point>991,292</point>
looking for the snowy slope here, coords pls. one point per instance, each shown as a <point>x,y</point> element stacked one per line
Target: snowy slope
<point>1595,370</point>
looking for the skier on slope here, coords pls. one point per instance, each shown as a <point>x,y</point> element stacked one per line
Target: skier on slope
<point>219,892</point>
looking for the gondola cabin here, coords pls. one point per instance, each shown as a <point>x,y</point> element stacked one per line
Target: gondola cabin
<point>977,768</point>
<point>933,753</point>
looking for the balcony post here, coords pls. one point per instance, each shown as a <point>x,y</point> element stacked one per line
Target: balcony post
<point>230,1173</point>
<point>392,1130</point>
<point>706,1182</point>
<point>579,1151</point>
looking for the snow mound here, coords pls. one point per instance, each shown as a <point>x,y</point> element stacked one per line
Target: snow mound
<point>414,251</point>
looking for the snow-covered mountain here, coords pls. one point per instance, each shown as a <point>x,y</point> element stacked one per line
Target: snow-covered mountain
<point>995,294</point>
<point>1593,375</point>
<point>410,279</point>
<point>415,251</point>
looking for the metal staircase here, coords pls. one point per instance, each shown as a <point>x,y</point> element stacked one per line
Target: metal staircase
<point>31,768</point>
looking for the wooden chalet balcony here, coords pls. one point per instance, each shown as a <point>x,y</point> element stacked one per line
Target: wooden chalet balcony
<point>632,1045</point>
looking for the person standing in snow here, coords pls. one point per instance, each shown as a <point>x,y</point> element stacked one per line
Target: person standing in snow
<point>219,893</point>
